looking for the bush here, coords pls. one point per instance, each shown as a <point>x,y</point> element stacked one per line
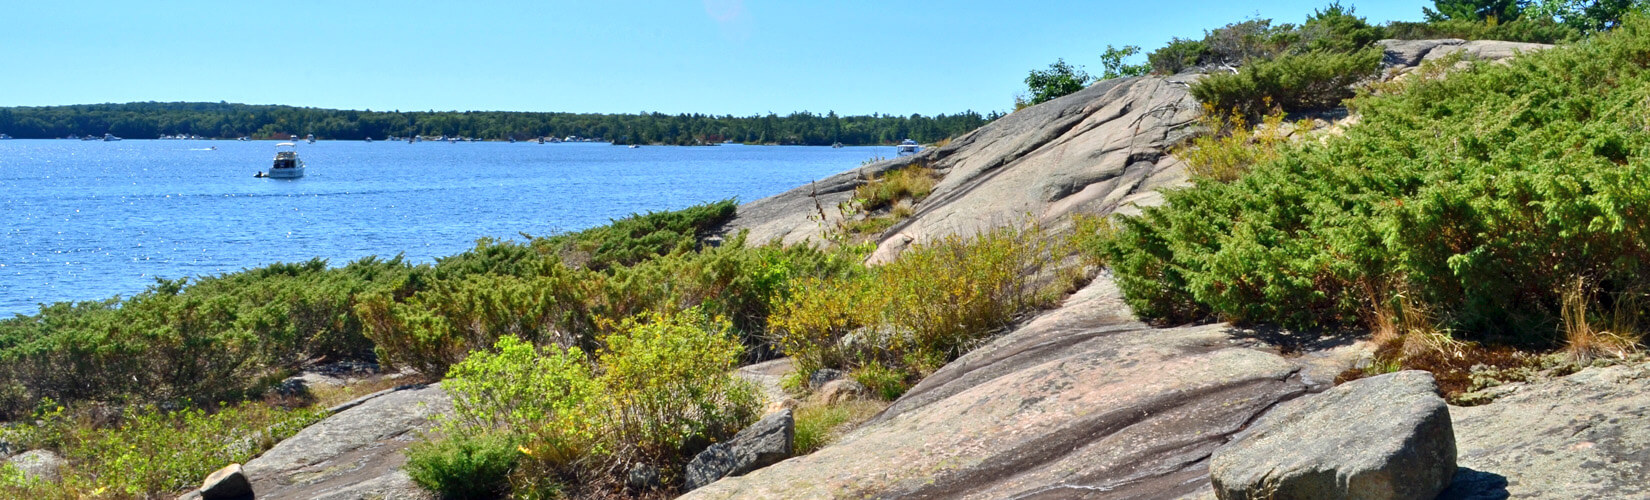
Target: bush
<point>1310,81</point>
<point>1482,195</point>
<point>1230,147</point>
<point>909,183</point>
<point>937,301</point>
<point>151,453</point>
<point>1179,55</point>
<point>463,467</point>
<point>659,391</point>
<point>637,238</point>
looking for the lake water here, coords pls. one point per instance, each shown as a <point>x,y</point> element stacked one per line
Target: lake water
<point>89,220</point>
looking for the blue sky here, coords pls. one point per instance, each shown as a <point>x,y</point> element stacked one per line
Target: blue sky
<point>615,56</point>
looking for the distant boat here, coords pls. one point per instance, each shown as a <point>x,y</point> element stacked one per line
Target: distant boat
<point>311,138</point>
<point>369,139</point>
<point>287,164</point>
<point>108,137</point>
<point>908,147</point>
<point>4,137</point>
<point>634,146</point>
<point>541,140</point>
<point>836,145</point>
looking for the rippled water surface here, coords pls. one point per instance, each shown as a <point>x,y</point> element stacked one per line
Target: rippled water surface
<point>89,220</point>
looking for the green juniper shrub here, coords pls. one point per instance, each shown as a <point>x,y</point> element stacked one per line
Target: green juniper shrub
<point>1482,196</point>
<point>640,237</point>
<point>464,467</point>
<point>1309,81</point>
<point>1179,55</point>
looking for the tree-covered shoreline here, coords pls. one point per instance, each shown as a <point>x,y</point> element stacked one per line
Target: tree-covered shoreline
<point>149,120</point>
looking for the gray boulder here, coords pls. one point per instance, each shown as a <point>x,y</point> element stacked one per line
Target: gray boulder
<point>642,477</point>
<point>228,483</point>
<point>764,443</point>
<point>39,464</point>
<point>824,376</point>
<point>1384,437</point>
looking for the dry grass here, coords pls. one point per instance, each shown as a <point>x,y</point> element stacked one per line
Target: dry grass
<point>1589,335</point>
<point>910,183</point>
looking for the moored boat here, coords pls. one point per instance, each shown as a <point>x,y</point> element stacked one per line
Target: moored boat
<point>908,147</point>
<point>287,164</point>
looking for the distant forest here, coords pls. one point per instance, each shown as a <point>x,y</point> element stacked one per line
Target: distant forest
<point>148,120</point>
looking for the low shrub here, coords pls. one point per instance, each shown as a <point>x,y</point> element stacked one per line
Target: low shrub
<point>884,383</point>
<point>659,390</point>
<point>1230,147</point>
<point>935,302</point>
<point>1179,55</point>
<point>463,467</point>
<point>1310,81</point>
<point>150,453</point>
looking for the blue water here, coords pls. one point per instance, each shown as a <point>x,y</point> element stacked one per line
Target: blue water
<point>89,220</point>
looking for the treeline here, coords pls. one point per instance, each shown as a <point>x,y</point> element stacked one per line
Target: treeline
<point>147,120</point>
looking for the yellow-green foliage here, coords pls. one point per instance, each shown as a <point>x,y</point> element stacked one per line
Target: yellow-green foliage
<point>1231,147</point>
<point>150,453</point>
<point>659,390</point>
<point>935,302</point>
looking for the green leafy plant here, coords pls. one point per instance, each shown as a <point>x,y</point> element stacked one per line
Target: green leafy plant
<point>463,467</point>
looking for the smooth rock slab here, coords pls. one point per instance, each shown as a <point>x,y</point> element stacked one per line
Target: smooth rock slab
<point>1379,438</point>
<point>762,444</point>
<point>1586,435</point>
<point>354,454</point>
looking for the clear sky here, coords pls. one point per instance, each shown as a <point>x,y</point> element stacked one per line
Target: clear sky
<point>606,56</point>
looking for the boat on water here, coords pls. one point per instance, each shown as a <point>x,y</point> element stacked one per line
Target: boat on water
<point>310,138</point>
<point>4,137</point>
<point>369,139</point>
<point>287,164</point>
<point>108,137</point>
<point>908,147</point>
<point>837,145</point>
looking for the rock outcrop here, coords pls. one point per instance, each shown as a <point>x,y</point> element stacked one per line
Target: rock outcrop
<point>1082,402</point>
<point>1091,151</point>
<point>1407,54</point>
<point>1586,435</point>
<point>762,444</point>
<point>1381,438</point>
<point>355,453</point>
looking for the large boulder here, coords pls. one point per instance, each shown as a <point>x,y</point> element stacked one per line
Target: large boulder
<point>1586,435</point>
<point>1082,402</point>
<point>228,483</point>
<point>762,444</point>
<point>354,454</point>
<point>43,465</point>
<point>1381,438</point>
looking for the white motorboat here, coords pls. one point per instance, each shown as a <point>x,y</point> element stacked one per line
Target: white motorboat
<point>310,139</point>
<point>287,164</point>
<point>108,137</point>
<point>908,147</point>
